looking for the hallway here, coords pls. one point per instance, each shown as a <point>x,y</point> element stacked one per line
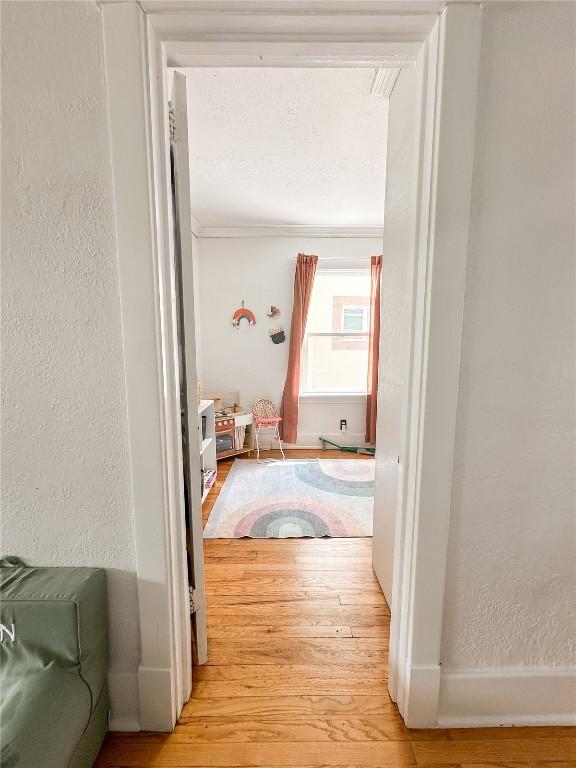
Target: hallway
<point>296,675</point>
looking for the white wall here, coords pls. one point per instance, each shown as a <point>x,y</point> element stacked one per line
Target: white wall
<point>511,565</point>
<point>261,271</point>
<point>65,467</point>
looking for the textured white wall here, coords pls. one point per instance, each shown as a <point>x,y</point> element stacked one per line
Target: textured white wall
<point>65,465</point>
<point>261,271</point>
<point>511,567</point>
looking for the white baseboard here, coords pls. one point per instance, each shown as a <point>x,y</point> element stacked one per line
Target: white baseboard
<point>124,701</point>
<point>420,701</point>
<point>312,441</point>
<point>155,688</point>
<point>513,696</point>
<point>140,700</point>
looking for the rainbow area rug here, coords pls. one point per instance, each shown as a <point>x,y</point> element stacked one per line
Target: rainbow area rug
<point>294,499</point>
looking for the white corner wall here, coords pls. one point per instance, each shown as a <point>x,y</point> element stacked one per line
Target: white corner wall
<point>261,271</point>
<point>66,496</point>
<point>510,622</point>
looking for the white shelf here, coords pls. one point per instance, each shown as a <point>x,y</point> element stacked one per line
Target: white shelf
<point>208,489</point>
<point>205,443</point>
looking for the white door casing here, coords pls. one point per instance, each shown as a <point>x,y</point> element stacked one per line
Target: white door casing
<point>153,699</point>
<point>140,41</point>
<point>447,107</point>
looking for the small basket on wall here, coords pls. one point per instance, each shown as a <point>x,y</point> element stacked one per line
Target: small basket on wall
<point>277,335</point>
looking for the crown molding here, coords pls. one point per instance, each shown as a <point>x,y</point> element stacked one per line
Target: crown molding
<point>242,53</point>
<point>289,230</point>
<point>291,7</point>
<point>384,82</point>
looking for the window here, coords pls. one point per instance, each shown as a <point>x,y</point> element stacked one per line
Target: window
<point>335,349</point>
<point>354,318</point>
<point>350,314</point>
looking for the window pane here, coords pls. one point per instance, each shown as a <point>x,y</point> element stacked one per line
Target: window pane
<point>331,293</point>
<point>339,307</point>
<point>352,319</point>
<point>335,364</point>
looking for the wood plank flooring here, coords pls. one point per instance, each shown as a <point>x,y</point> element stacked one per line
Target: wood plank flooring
<point>296,674</point>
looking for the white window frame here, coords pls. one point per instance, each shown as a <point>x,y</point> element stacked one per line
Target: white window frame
<point>140,41</point>
<point>304,391</point>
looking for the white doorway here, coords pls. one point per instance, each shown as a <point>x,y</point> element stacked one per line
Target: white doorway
<point>446,48</point>
<point>287,180</point>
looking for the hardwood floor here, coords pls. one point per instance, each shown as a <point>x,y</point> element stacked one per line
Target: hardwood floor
<point>296,674</point>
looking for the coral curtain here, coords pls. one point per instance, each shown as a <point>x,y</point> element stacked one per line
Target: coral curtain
<point>303,282</point>
<point>373,348</point>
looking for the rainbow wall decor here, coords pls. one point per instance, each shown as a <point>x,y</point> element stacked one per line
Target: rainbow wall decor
<point>243,314</point>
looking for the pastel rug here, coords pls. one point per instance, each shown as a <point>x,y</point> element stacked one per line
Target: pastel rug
<point>294,499</point>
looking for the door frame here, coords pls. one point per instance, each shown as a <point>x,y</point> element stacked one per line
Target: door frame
<point>140,42</point>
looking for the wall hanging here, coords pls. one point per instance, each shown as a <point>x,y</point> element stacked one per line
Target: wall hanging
<point>274,311</point>
<point>277,335</point>
<point>243,314</point>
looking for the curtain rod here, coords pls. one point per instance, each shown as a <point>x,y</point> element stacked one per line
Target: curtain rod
<point>338,258</point>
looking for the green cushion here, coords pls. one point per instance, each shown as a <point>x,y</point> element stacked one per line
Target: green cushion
<point>89,745</point>
<point>59,616</point>
<point>44,716</point>
<point>53,665</point>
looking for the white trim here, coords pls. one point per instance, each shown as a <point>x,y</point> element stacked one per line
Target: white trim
<point>337,334</point>
<point>311,440</point>
<point>448,104</point>
<point>453,159</point>
<point>169,701</point>
<point>288,230</point>
<point>384,82</point>
<point>419,696</point>
<point>477,698</point>
<point>331,398</point>
<point>238,53</point>
<point>129,116</point>
<point>138,126</point>
<point>399,677</point>
<point>287,7</point>
<point>158,691</point>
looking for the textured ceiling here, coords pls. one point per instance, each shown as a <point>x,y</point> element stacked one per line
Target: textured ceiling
<point>286,146</point>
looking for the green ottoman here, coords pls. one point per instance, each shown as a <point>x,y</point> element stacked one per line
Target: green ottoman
<point>53,665</point>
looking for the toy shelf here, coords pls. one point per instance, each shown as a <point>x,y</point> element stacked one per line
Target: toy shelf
<point>207,445</point>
